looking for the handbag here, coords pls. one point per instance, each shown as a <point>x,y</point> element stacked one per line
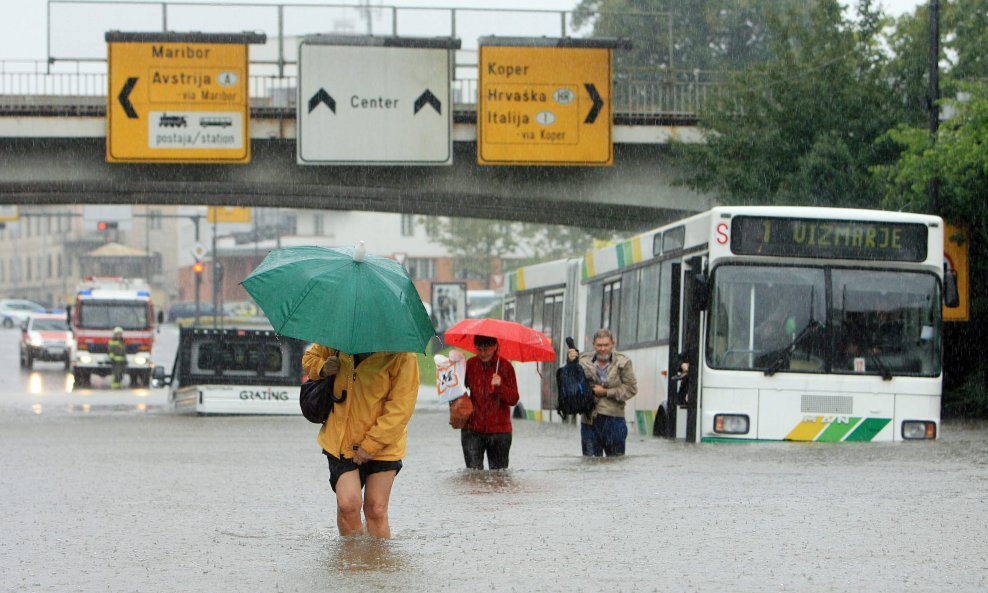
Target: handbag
<point>460,410</point>
<point>316,399</point>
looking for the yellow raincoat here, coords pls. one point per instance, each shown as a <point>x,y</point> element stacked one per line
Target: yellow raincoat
<point>381,394</point>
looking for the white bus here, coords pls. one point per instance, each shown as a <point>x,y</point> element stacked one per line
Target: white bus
<point>805,324</point>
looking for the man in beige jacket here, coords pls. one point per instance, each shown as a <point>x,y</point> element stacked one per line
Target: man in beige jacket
<point>612,379</point>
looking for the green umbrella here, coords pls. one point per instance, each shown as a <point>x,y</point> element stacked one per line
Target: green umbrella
<point>342,298</point>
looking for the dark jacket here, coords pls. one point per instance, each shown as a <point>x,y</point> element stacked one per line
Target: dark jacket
<point>491,405</point>
<point>117,350</point>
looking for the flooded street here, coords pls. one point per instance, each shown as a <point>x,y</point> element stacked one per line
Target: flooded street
<point>126,499</point>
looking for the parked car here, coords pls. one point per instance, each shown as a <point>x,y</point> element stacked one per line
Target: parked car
<point>187,309</point>
<point>16,311</point>
<point>46,337</point>
<point>480,303</point>
<point>240,309</point>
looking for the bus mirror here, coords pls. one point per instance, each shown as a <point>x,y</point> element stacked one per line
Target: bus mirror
<point>158,377</point>
<point>951,298</point>
<point>68,315</point>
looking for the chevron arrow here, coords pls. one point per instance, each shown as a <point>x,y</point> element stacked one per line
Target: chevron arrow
<point>322,96</point>
<point>597,103</point>
<point>428,97</point>
<point>124,97</point>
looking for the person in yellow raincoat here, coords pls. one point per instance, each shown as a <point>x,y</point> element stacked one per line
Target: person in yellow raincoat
<point>365,435</point>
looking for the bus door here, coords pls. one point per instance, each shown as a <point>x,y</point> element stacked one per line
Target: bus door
<point>552,327</point>
<point>672,386</point>
<point>694,297</point>
<point>684,332</point>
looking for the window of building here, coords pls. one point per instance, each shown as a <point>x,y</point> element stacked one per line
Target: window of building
<point>154,220</point>
<point>421,268</point>
<point>317,225</point>
<point>407,225</point>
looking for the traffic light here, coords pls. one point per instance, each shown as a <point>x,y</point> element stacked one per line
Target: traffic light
<point>106,225</point>
<point>198,267</point>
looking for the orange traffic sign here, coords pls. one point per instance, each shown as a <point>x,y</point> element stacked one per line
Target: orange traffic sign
<point>228,214</point>
<point>544,105</point>
<point>178,97</point>
<point>955,252</point>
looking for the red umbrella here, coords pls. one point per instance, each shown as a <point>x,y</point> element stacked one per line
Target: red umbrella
<point>515,341</point>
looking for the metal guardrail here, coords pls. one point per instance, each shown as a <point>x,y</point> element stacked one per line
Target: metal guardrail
<point>85,93</point>
<point>73,79</point>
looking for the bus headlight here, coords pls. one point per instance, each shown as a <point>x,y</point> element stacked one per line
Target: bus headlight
<point>731,423</point>
<point>913,430</point>
<point>85,359</point>
<point>140,360</point>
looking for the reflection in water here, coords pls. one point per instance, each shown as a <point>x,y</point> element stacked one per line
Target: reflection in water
<point>35,386</point>
<point>69,382</point>
<point>475,481</point>
<point>364,554</point>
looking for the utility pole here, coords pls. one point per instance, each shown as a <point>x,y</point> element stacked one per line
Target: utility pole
<point>933,97</point>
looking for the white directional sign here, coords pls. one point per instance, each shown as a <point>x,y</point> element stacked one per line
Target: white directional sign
<point>364,103</point>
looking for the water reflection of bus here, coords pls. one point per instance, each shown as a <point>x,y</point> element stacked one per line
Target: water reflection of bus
<point>808,324</point>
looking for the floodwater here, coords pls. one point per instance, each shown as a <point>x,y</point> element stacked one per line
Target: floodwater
<point>111,498</point>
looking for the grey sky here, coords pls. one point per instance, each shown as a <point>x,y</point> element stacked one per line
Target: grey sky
<point>24,38</point>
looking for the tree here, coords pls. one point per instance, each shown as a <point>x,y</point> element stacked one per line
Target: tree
<point>477,245</point>
<point>684,36</point>
<point>958,161</point>
<point>800,128</point>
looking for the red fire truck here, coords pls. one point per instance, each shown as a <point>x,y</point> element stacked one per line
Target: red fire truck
<point>103,303</point>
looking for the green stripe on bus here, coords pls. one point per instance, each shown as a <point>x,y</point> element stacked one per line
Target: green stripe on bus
<point>867,430</point>
<point>644,420</point>
<point>836,431</point>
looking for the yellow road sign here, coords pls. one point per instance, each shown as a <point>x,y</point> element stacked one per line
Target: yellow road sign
<point>544,106</point>
<point>228,214</point>
<point>955,251</point>
<point>178,97</point>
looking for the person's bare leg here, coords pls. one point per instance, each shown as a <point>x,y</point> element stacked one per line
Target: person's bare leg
<point>377,493</point>
<point>348,502</point>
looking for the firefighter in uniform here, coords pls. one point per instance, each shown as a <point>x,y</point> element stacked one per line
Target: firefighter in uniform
<point>118,356</point>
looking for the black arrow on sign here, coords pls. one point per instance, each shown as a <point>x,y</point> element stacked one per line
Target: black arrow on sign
<point>124,98</point>
<point>428,97</point>
<point>322,96</point>
<point>597,103</point>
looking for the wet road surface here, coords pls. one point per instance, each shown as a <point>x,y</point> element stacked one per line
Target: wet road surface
<point>119,494</point>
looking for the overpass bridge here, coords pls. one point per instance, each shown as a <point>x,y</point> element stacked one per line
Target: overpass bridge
<point>53,135</point>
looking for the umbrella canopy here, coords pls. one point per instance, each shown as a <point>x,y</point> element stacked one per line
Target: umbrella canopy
<point>342,298</point>
<point>515,341</point>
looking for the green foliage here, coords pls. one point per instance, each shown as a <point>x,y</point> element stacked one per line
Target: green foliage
<point>477,244</point>
<point>683,35</point>
<point>800,128</point>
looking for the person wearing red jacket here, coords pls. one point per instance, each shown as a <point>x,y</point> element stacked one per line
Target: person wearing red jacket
<point>493,390</point>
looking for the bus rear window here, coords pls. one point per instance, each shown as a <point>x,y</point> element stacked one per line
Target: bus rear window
<point>239,359</point>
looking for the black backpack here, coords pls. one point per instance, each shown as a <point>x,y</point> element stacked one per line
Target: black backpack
<point>316,399</point>
<point>575,396</point>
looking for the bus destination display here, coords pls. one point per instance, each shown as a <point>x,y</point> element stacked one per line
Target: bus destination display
<point>838,239</point>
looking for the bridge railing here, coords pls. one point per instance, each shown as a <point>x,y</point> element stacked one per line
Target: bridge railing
<point>74,73</point>
<point>26,88</point>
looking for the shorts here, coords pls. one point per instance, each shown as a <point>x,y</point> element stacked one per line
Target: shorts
<point>338,467</point>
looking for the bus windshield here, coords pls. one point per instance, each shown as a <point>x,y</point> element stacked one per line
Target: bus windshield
<point>824,320</point>
<point>110,314</point>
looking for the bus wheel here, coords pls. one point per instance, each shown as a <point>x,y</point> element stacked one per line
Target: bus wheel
<point>659,426</point>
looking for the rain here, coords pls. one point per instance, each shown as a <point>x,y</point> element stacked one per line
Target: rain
<point>199,473</point>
